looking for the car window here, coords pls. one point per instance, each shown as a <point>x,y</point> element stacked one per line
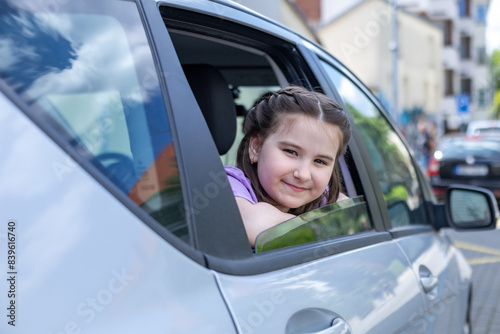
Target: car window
<point>252,67</point>
<point>91,76</point>
<point>390,158</point>
<point>341,218</point>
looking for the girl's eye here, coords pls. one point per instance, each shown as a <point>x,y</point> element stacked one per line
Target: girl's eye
<point>292,152</point>
<point>319,161</point>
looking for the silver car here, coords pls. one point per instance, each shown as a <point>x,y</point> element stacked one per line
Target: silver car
<point>117,118</point>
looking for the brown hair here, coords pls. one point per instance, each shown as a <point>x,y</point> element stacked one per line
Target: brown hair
<point>264,118</point>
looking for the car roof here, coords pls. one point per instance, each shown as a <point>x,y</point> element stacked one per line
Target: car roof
<point>208,7</point>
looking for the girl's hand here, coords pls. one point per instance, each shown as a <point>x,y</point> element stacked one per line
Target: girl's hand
<point>259,217</point>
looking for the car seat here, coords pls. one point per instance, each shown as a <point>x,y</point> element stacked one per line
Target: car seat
<point>216,103</point>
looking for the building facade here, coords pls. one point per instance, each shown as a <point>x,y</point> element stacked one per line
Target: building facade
<point>442,66</point>
<point>362,38</point>
<point>467,82</point>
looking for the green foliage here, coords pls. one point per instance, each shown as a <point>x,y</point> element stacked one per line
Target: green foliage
<point>495,72</point>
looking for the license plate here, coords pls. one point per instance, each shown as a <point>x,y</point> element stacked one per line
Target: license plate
<point>474,170</point>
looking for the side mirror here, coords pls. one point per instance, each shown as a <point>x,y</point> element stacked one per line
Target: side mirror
<point>470,207</point>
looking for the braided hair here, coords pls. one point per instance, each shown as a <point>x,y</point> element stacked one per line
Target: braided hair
<point>265,118</point>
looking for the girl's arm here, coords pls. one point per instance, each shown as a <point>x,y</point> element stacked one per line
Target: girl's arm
<point>259,217</point>
<point>342,197</point>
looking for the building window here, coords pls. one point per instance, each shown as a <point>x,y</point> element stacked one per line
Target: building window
<point>466,87</point>
<point>464,8</point>
<point>465,43</point>
<point>448,32</point>
<point>481,13</point>
<point>481,97</point>
<point>481,55</point>
<point>448,81</point>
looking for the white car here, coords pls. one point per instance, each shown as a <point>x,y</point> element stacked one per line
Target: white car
<point>116,214</point>
<point>483,127</point>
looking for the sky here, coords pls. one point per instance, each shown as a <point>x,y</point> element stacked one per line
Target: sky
<point>493,26</point>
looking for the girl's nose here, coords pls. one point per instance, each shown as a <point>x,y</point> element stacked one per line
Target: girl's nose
<point>302,172</point>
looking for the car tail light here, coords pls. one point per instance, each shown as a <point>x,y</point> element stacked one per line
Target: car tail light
<point>438,191</point>
<point>433,167</point>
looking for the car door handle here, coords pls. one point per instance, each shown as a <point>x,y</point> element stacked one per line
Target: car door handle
<point>338,326</point>
<point>427,279</point>
<point>317,321</point>
<point>429,283</point>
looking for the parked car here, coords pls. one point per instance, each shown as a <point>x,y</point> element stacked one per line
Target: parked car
<point>472,160</point>
<point>117,216</point>
<point>482,127</point>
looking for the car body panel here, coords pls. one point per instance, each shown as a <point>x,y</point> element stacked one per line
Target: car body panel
<point>431,254</point>
<point>371,291</point>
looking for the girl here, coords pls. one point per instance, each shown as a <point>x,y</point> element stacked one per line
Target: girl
<point>287,160</point>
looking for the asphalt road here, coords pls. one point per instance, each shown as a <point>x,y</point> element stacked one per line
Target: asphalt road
<point>482,250</point>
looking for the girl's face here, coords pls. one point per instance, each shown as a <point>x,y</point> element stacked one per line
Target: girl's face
<point>295,163</point>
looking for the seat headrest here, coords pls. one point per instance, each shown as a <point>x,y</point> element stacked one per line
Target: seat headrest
<point>216,102</point>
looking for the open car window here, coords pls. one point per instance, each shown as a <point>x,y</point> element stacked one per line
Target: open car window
<point>253,65</point>
<point>345,217</point>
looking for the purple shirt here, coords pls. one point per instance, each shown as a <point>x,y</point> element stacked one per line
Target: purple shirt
<point>240,184</point>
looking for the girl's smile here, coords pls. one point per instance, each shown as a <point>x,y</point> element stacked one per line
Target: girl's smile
<point>295,188</point>
<point>295,163</point>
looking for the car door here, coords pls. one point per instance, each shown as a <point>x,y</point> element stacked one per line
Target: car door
<point>441,270</point>
<point>359,281</point>
<point>90,190</point>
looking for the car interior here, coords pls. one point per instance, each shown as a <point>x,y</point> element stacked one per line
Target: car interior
<point>227,87</point>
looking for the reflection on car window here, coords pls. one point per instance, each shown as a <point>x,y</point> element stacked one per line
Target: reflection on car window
<point>92,76</point>
<point>392,161</point>
<point>341,218</point>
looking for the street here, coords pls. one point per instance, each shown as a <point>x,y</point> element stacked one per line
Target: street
<point>482,250</point>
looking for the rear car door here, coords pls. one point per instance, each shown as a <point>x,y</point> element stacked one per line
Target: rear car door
<point>359,281</point>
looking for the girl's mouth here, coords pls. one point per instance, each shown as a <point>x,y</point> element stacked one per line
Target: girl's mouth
<point>295,188</point>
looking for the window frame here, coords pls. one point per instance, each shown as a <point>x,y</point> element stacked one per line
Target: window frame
<point>246,262</point>
<point>481,12</point>
<point>201,220</point>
